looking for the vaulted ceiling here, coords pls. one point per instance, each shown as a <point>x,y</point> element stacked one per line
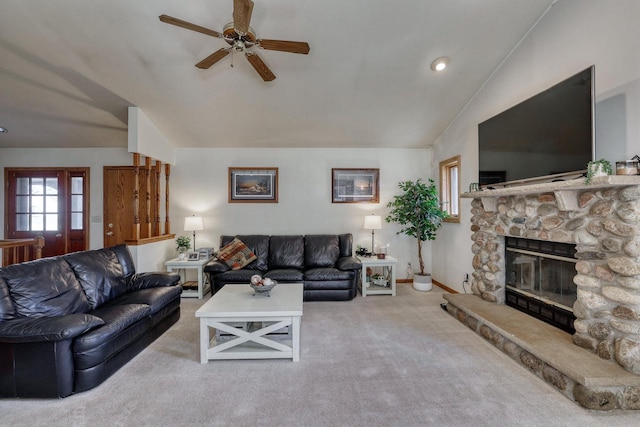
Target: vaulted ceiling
<point>70,68</point>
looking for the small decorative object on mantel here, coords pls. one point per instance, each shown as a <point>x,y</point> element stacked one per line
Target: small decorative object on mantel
<point>262,286</point>
<point>600,167</point>
<point>628,167</point>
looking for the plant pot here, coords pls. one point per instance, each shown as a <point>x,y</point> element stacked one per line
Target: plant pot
<point>597,169</point>
<point>422,282</point>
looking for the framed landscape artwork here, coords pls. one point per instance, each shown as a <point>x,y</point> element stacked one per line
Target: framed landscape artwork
<point>253,185</point>
<point>355,185</point>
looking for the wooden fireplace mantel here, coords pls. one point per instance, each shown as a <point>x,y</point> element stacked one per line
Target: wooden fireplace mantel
<point>566,192</point>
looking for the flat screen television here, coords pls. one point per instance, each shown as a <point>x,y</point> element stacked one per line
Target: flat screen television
<point>548,134</point>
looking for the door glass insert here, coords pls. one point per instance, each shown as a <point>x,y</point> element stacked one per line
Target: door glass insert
<point>37,204</point>
<point>77,199</point>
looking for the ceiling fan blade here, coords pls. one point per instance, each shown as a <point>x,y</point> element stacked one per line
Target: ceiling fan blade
<point>284,46</point>
<point>188,25</point>
<point>242,10</point>
<point>213,58</point>
<point>260,66</point>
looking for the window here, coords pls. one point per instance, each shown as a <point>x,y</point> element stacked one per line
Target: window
<point>450,187</point>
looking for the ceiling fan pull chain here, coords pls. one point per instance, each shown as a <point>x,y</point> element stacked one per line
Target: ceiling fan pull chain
<point>231,58</point>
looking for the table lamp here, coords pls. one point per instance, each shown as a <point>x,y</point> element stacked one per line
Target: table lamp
<point>193,223</point>
<point>372,222</point>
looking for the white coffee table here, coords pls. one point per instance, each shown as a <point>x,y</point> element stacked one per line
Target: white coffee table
<point>235,305</point>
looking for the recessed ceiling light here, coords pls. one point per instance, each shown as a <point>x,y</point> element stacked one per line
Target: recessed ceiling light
<point>440,63</point>
<point>3,130</point>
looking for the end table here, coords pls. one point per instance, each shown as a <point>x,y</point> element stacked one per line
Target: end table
<point>202,283</point>
<point>388,265</point>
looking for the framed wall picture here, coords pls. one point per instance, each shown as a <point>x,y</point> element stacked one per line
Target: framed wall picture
<point>253,185</point>
<point>355,185</point>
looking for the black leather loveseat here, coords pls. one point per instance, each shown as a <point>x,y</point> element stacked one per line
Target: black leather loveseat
<point>67,323</point>
<point>323,263</point>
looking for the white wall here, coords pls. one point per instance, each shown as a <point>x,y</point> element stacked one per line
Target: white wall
<point>572,36</point>
<point>144,137</point>
<point>94,158</point>
<point>199,185</point>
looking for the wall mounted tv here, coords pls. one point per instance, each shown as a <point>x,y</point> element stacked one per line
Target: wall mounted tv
<point>550,133</point>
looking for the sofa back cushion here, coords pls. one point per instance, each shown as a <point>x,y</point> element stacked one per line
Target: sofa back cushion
<point>259,245</point>
<point>126,260</point>
<point>321,250</point>
<point>7,310</point>
<point>45,287</point>
<point>286,252</point>
<point>100,274</point>
<point>346,245</point>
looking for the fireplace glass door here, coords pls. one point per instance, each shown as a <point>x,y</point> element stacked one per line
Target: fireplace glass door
<point>539,279</point>
<point>548,279</point>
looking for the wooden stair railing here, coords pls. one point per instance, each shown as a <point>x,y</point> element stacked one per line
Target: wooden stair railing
<point>20,250</point>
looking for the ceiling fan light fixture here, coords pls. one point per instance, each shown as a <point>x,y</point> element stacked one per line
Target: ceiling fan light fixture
<point>440,64</point>
<point>3,130</point>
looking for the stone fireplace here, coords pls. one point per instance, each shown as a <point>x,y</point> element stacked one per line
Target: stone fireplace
<point>602,221</point>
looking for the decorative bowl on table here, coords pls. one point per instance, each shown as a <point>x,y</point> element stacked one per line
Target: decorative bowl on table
<point>262,286</point>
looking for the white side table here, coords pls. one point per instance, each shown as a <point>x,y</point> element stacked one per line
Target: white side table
<point>176,264</point>
<point>389,265</point>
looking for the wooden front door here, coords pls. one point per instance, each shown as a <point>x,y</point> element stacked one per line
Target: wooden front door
<point>52,202</point>
<point>119,196</point>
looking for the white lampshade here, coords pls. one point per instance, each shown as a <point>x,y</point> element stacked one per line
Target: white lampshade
<point>193,223</point>
<point>372,222</point>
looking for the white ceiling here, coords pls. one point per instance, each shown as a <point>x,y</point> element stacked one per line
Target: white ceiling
<point>70,68</point>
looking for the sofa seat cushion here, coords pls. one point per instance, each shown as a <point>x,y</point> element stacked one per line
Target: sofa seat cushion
<point>238,276</point>
<point>328,274</point>
<point>327,285</point>
<point>155,298</point>
<point>100,274</point>
<point>39,329</point>
<point>44,288</point>
<point>285,275</point>
<point>236,254</point>
<point>123,325</point>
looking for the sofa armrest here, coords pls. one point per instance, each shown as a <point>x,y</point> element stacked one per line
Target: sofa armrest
<point>348,263</point>
<point>37,329</point>
<point>216,267</point>
<point>153,280</point>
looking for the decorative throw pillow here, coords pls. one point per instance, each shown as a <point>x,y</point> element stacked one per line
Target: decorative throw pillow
<point>236,254</point>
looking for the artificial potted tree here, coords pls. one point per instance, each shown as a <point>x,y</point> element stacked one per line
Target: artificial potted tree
<point>419,213</point>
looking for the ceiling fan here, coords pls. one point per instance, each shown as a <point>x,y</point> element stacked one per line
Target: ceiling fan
<point>241,38</point>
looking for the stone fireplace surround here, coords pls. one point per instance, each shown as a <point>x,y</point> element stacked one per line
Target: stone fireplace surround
<point>603,220</point>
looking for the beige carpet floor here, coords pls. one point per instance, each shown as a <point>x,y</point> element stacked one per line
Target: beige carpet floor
<point>375,361</point>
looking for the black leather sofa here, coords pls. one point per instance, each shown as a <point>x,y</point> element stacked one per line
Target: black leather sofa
<point>67,323</point>
<point>323,263</point>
